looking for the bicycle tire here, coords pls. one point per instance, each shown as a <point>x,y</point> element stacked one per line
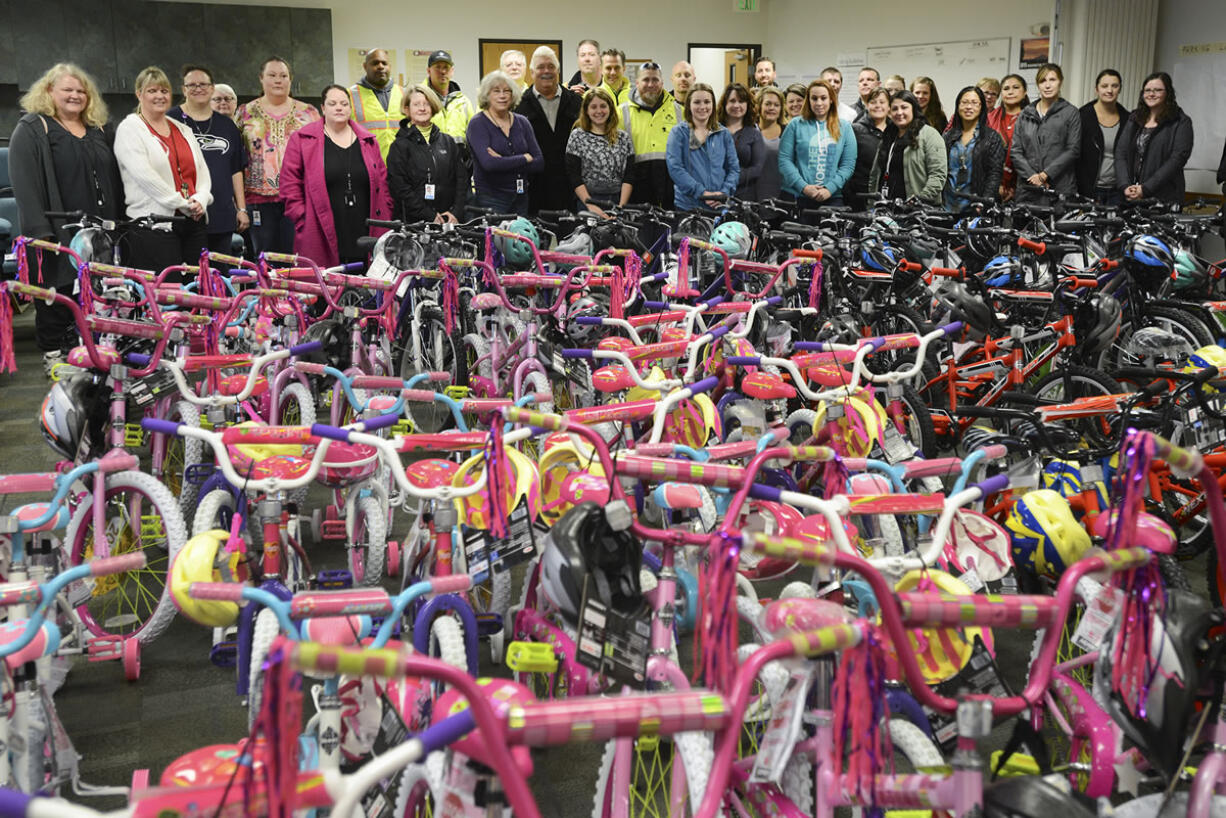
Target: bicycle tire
<point>652,776</point>
<point>263,633</point>
<point>151,618</point>
<point>917,419</point>
<point>447,642</point>
<point>191,452</point>
<point>440,352</point>
<point>1190,329</point>
<point>296,394</point>
<point>1082,381</point>
<point>368,551</point>
<point>492,595</point>
<point>420,788</point>
<point>477,363</point>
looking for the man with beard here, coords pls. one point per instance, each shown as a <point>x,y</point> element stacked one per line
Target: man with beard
<point>648,116</point>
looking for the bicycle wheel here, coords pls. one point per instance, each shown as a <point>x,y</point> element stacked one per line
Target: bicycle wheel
<point>492,595</point>
<point>1072,382</point>
<point>420,787</point>
<point>916,421</point>
<point>263,632</point>
<point>440,351</point>
<point>141,516</point>
<point>662,772</point>
<point>179,455</point>
<point>478,364</point>
<point>1190,334</point>
<point>368,550</point>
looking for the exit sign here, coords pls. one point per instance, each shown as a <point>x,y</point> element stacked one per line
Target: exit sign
<point>745,5</point>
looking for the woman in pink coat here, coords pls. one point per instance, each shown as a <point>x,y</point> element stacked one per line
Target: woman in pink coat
<point>332,180</point>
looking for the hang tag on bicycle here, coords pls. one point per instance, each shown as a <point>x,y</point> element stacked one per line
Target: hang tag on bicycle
<point>1024,474</point>
<point>783,730</point>
<point>895,447</point>
<point>148,389</point>
<point>610,643</point>
<point>979,676</point>
<point>971,579</point>
<point>1097,618</point>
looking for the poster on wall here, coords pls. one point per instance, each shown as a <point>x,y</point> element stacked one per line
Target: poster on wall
<point>1034,52</point>
<point>407,69</point>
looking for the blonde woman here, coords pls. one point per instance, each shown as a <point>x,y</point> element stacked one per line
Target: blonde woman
<point>772,117</point>
<point>266,123</point>
<point>599,154</point>
<point>60,159</point>
<point>164,174</point>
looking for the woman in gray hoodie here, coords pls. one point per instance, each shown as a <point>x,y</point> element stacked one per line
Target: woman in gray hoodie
<point>1047,141</point>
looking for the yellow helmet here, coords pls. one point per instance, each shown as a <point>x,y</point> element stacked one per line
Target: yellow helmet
<point>203,559</point>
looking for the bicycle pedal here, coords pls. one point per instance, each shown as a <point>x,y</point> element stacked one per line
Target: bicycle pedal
<point>152,527</point>
<point>402,427</point>
<point>104,648</point>
<point>1016,764</point>
<point>647,744</point>
<point>224,654</point>
<point>133,435</point>
<point>335,580</point>
<point>531,657</point>
<point>488,624</point>
<point>456,392</point>
<point>333,530</point>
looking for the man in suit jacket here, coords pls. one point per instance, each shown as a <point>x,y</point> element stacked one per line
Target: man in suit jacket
<point>552,111</point>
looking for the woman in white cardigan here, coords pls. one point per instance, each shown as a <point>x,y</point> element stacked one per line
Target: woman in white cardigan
<point>164,174</point>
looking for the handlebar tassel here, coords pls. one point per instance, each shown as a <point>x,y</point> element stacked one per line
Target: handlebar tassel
<point>860,713</point>
<point>815,285</point>
<point>274,748</point>
<point>8,356</point>
<point>715,641</point>
<point>496,485</point>
<point>451,300</point>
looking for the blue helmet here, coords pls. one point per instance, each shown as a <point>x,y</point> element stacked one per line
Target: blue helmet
<point>1002,271</point>
<point>1149,252</point>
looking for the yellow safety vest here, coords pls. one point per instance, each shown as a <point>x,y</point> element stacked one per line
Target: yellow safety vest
<point>650,129</point>
<point>454,117</point>
<point>367,112</point>
<point>620,97</point>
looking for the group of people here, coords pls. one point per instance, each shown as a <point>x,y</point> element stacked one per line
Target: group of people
<point>297,178</point>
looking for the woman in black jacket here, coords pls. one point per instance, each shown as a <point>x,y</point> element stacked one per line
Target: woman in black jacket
<point>869,130</point>
<point>976,151</point>
<point>61,160</point>
<point>1155,144</point>
<point>426,174</point>
<point>1101,124</point>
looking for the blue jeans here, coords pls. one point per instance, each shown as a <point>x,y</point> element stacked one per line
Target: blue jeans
<point>500,202</point>
<point>271,232</point>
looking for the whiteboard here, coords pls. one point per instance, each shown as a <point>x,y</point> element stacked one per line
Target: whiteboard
<point>952,66</point>
<point>1202,95</point>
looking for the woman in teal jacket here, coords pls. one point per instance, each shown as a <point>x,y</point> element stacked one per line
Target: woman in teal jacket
<point>817,152</point>
<point>701,153</point>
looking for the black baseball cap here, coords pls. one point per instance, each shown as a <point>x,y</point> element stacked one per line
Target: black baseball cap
<point>440,56</point>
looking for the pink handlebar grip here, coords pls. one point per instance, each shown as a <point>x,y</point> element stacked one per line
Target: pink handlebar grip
<point>117,565</point>
<point>451,584</point>
<point>440,377</point>
<point>419,395</point>
<point>224,591</point>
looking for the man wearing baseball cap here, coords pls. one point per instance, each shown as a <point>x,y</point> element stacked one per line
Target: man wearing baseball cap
<point>456,109</point>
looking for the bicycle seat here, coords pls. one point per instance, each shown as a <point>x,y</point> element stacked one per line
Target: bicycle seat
<point>815,527</point>
<point>612,378</point>
<point>336,630</point>
<point>428,474</point>
<point>32,511</point>
<point>485,301</point>
<point>234,384</point>
<point>615,342</point>
<point>828,374</point>
<point>46,641</point>
<point>785,616</point>
<point>79,356</point>
<point>214,764</point>
<point>258,462</point>
<point>502,694</point>
<point>381,403</point>
<point>766,386</point>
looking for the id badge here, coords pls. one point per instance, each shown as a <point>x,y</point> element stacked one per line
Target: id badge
<point>429,193</point>
<point>519,186</point>
<point>255,218</point>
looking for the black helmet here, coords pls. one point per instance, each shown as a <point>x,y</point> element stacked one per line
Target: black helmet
<point>582,545</point>
<point>337,349</point>
<point>970,309</point>
<point>1097,322</point>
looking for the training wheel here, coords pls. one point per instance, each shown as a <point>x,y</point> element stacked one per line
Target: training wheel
<point>131,658</point>
<point>393,558</point>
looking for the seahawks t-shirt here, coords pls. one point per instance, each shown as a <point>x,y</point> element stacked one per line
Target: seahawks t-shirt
<point>222,145</point>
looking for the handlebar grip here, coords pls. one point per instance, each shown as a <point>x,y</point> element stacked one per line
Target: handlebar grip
<point>995,451</point>
<point>910,266</point>
<point>719,331</point>
<point>117,565</point>
<point>993,485</point>
<point>946,272</point>
<point>353,265</point>
<point>303,349</point>
<point>656,305</point>
<point>771,494</point>
<point>774,300</point>
<point>330,432</point>
<point>705,385</point>
<point>952,327</point>
<point>451,584</point>
<point>14,804</point>
<point>809,346</point>
<point>159,426</point>
<point>589,320</point>
<point>711,302</point>
<point>439,377</point>
<point>816,255</point>
<point>226,591</point>
<point>744,360</point>
<point>138,359</point>
<point>577,353</point>
<point>875,344</point>
<point>381,421</point>
<point>1037,246</point>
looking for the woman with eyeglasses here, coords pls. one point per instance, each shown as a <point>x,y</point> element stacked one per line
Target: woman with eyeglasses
<point>1102,120</point>
<point>737,114</point>
<point>1047,141</point>
<point>224,100</point>
<point>701,153</point>
<point>1155,144</point>
<point>222,146</point>
<point>976,152</point>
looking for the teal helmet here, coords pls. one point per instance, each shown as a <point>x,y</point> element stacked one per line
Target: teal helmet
<point>1189,270</point>
<point>733,238</point>
<point>518,253</point>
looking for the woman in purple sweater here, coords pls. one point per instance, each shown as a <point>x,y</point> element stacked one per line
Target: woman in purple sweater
<point>504,150</point>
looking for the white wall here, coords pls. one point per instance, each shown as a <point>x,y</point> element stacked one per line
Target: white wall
<point>1200,80</point>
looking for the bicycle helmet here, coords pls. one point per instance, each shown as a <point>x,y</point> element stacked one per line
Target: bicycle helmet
<point>1149,252</point>
<point>1064,477</point>
<point>518,253</point>
<point>1097,322</point>
<point>1032,796</point>
<point>733,238</point>
<point>1046,536</point>
<point>521,484</point>
<point>1205,357</point>
<point>93,244</point>
<point>877,255</point>
<point>1179,644</point>
<point>1002,271</point>
<point>1189,270</point>
<point>394,253</point>
<point>969,309</point>
<point>582,547</point>
<point>66,414</point>
<point>203,558</point>
<point>978,244</point>
<point>1155,344</point>
<point>585,306</point>
<point>858,430</point>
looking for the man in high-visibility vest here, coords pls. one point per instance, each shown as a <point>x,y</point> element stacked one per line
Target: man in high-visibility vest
<point>376,99</point>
